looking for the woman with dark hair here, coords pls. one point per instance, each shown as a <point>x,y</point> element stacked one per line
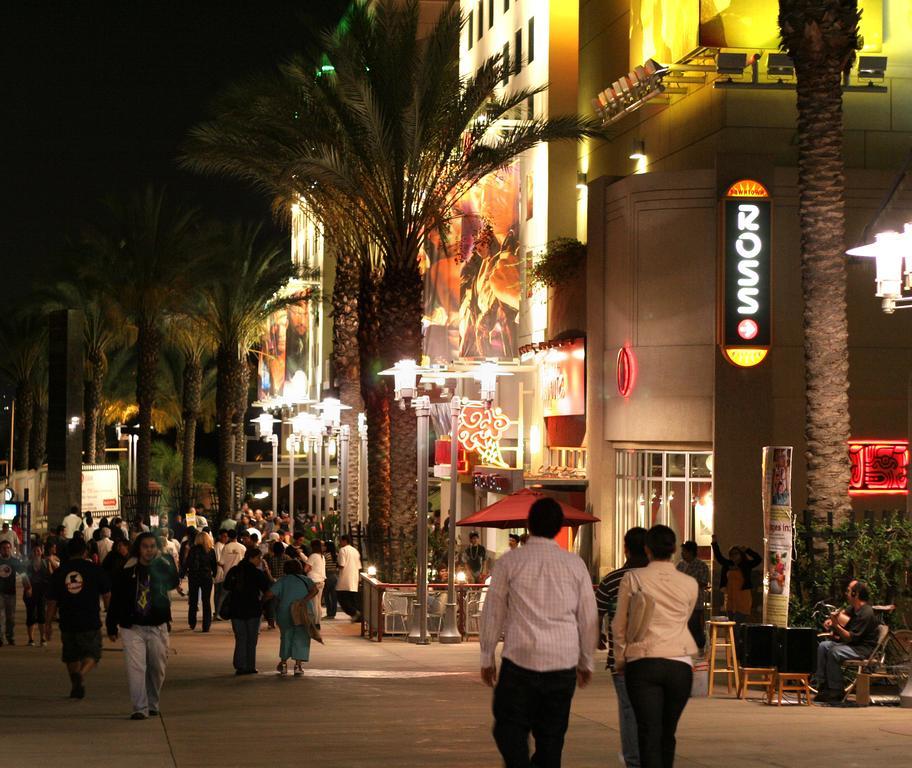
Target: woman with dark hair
<point>736,581</point>
<point>655,651</point>
<point>294,642</point>
<point>38,573</point>
<point>140,612</point>
<point>317,574</point>
<point>332,579</point>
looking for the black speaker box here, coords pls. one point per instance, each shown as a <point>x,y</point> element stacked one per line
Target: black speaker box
<point>797,649</point>
<point>758,645</point>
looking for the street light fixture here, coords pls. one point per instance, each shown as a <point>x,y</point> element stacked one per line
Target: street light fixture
<point>330,424</point>
<point>889,250</point>
<point>265,432</point>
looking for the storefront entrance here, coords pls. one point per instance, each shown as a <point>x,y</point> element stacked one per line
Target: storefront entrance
<point>673,488</point>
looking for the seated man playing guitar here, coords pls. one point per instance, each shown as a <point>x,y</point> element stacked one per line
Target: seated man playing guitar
<point>854,639</point>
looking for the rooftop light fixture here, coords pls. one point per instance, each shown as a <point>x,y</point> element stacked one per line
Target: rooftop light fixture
<point>638,150</point>
<point>780,65</point>
<point>872,67</point>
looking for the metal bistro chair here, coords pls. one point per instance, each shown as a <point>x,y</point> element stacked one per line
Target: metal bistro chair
<point>876,667</point>
<point>395,613</point>
<point>436,611</point>
<point>473,605</point>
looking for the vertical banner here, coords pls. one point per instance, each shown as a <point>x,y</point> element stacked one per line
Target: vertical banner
<point>778,533</point>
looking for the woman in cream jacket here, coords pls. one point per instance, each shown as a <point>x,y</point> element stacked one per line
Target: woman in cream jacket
<point>657,665</point>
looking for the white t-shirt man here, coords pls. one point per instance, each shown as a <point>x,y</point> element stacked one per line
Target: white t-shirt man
<point>232,554</point>
<point>349,560</point>
<point>71,523</point>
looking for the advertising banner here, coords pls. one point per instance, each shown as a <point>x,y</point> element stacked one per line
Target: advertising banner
<point>563,380</point>
<point>100,488</point>
<point>778,533</point>
<point>286,347</point>
<point>472,275</point>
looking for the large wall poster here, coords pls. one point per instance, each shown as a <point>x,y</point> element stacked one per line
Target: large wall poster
<point>778,533</point>
<point>286,347</point>
<point>472,275</point>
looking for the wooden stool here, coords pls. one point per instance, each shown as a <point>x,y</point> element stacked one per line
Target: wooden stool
<point>722,635</point>
<point>794,682</point>
<point>762,677</point>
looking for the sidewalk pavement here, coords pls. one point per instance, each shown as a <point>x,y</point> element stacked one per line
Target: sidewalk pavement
<point>383,705</point>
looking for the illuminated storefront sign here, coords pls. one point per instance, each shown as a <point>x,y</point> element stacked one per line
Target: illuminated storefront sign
<point>626,371</point>
<point>879,467</point>
<point>480,430</point>
<point>746,318</point>
<point>563,379</point>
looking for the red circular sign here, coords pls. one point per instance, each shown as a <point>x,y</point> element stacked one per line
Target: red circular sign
<point>626,371</point>
<point>748,329</point>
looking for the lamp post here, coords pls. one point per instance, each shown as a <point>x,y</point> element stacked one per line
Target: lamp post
<point>331,421</point>
<point>405,378</point>
<point>449,632</point>
<point>265,432</point>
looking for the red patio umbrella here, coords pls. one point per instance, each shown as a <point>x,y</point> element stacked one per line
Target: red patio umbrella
<point>513,512</point>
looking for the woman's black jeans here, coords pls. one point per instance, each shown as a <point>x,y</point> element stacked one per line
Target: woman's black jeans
<point>658,690</point>
<point>199,588</point>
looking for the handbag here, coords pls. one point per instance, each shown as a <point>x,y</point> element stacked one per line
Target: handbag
<point>639,611</point>
<point>302,617</point>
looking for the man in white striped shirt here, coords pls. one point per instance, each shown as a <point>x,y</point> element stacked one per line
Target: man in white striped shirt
<point>542,602</point>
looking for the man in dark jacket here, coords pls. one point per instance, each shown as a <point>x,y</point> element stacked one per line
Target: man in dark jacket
<point>246,584</point>
<point>141,610</point>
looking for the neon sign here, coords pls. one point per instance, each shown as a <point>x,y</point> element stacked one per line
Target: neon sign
<point>746,318</point>
<point>480,430</point>
<point>626,371</point>
<point>879,467</point>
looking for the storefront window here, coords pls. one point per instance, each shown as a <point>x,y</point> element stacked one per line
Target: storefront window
<point>671,488</point>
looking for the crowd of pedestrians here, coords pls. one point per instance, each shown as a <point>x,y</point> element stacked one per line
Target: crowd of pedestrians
<point>254,568</point>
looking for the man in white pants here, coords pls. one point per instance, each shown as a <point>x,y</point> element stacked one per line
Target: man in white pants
<point>141,611</point>
<point>349,560</point>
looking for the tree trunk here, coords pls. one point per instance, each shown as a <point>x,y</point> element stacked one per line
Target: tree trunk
<point>149,345</point>
<point>347,365</point>
<point>191,396</point>
<point>231,378</point>
<point>402,306</point>
<point>240,440</point>
<point>93,392</point>
<point>376,409</point>
<point>821,184</point>
<point>38,438</point>
<point>25,412</point>
<point>101,443</point>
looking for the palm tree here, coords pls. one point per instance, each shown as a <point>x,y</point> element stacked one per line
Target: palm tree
<point>143,259</point>
<point>821,36</point>
<point>392,136</point>
<point>187,393</point>
<point>37,450</point>
<point>23,338</point>
<point>246,272</point>
<point>103,330</point>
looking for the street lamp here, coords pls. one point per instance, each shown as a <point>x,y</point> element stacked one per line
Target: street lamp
<point>405,380</point>
<point>265,432</point>
<point>331,418</point>
<point>889,250</point>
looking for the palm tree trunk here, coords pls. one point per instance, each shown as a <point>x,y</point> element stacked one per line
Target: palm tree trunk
<point>93,407</point>
<point>402,305</point>
<point>376,404</point>
<point>149,345</point>
<point>347,365</point>
<point>100,440</point>
<point>191,396</point>
<point>242,382</point>
<point>25,412</point>
<point>38,438</point>
<point>231,379</point>
<point>821,183</point>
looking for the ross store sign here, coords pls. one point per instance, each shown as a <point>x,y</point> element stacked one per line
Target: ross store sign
<point>746,322</point>
<point>879,467</point>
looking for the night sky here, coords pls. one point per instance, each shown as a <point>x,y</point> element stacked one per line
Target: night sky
<point>98,96</point>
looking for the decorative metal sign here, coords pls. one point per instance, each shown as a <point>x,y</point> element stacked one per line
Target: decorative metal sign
<point>746,322</point>
<point>480,430</point>
<point>879,467</point>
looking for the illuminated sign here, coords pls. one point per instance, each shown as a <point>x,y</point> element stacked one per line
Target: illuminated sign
<point>879,467</point>
<point>480,430</point>
<point>746,318</point>
<point>626,371</point>
<point>563,379</point>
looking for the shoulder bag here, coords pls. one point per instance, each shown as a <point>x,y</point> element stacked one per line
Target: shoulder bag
<point>639,611</point>
<point>301,617</point>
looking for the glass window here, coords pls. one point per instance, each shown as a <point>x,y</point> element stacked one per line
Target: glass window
<point>530,41</point>
<point>480,18</point>
<point>506,63</point>
<point>517,53</point>
<point>471,32</point>
<point>506,5</point>
<point>673,488</point>
<point>490,13</point>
